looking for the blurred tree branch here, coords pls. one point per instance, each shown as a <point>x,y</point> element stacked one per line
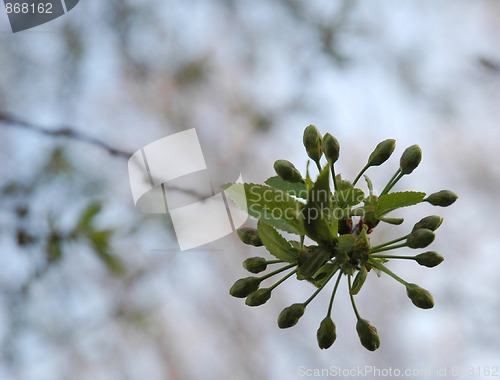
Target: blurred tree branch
<point>329,32</point>
<point>7,120</point>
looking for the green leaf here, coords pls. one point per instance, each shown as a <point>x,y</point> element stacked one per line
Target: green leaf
<point>275,207</point>
<point>362,239</point>
<point>311,261</point>
<point>324,273</point>
<point>113,263</point>
<point>276,244</point>
<point>100,239</point>
<point>392,201</point>
<point>320,193</point>
<point>341,184</point>
<point>369,184</point>
<point>87,216</point>
<point>395,221</point>
<point>317,214</point>
<point>345,245</point>
<point>57,163</point>
<point>359,280</point>
<point>350,197</point>
<point>297,189</point>
<point>100,243</point>
<point>309,182</point>
<point>361,211</point>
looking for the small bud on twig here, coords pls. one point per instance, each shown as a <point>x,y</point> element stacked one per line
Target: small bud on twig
<point>255,264</point>
<point>420,297</point>
<point>410,159</point>
<point>312,141</point>
<point>291,315</point>
<point>259,297</point>
<point>245,286</point>
<point>331,148</point>
<point>287,171</point>
<point>249,236</point>
<point>420,238</point>
<point>431,222</point>
<point>368,335</point>
<point>429,259</point>
<point>382,152</point>
<point>326,334</point>
<point>442,198</point>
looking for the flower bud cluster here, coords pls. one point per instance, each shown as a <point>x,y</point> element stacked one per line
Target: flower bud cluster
<point>346,217</point>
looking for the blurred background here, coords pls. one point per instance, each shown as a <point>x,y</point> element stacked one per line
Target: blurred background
<point>90,288</point>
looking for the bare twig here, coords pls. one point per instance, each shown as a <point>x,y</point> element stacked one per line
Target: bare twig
<point>7,120</point>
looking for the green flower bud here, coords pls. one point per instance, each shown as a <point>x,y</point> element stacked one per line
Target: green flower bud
<point>245,286</point>
<point>410,159</point>
<point>359,280</point>
<point>326,333</point>
<point>259,297</point>
<point>420,238</point>
<point>429,259</point>
<point>287,171</point>
<point>442,198</point>
<point>291,315</point>
<point>431,222</point>
<point>420,297</point>
<point>368,335</point>
<point>312,142</point>
<point>255,264</point>
<point>249,236</point>
<point>331,148</point>
<point>382,152</point>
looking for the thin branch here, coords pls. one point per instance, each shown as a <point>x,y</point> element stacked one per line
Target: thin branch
<point>7,120</point>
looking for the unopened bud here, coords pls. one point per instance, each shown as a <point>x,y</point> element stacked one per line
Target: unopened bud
<point>431,222</point>
<point>368,335</point>
<point>410,159</point>
<point>249,236</point>
<point>255,264</point>
<point>331,148</point>
<point>312,142</point>
<point>420,297</point>
<point>442,198</point>
<point>291,315</point>
<point>287,171</point>
<point>420,238</point>
<point>382,152</point>
<point>429,259</point>
<point>326,333</point>
<point>245,286</point>
<point>259,297</point>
